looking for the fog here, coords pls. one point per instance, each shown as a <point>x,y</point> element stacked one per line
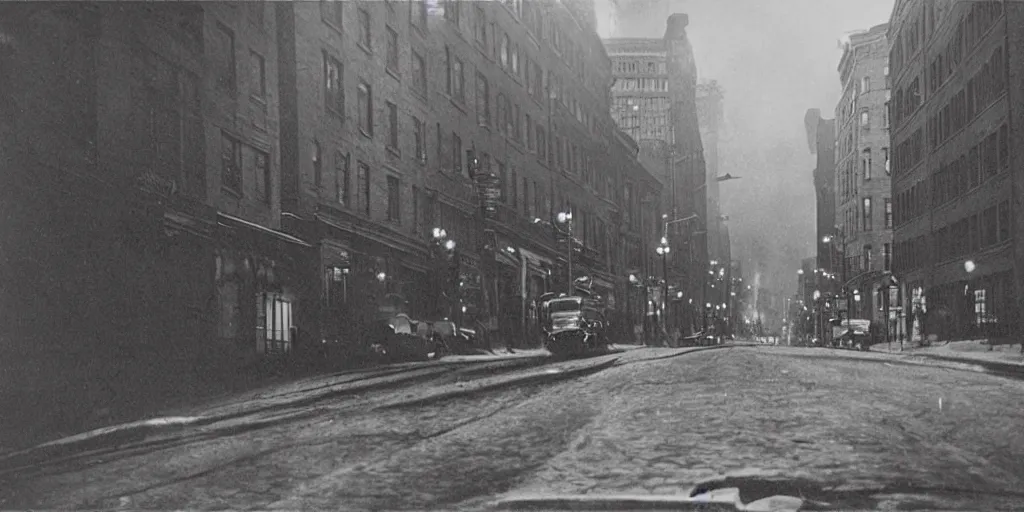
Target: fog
<point>774,59</point>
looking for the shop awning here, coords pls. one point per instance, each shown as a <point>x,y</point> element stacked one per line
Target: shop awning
<point>231,221</point>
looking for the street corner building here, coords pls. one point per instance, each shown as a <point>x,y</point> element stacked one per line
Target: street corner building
<point>194,189</point>
<point>957,221</point>
<point>862,242</point>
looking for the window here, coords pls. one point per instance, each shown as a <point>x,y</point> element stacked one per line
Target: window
<point>224,59</point>
<point>418,13</point>
<point>261,165</point>
<point>364,29</point>
<point>502,114</point>
<point>275,320</point>
<point>866,163</point>
<point>865,85</point>
<point>990,226</point>
<point>392,57</point>
<point>867,214</point>
<point>334,93</point>
<point>419,130</point>
<point>394,200</point>
<point>392,126</point>
<point>419,73</point>
<point>483,101</point>
<point>1004,221</point>
<point>542,143</point>
<point>258,78</point>
<point>316,158</point>
<point>331,12</point>
<point>456,78</point>
<point>885,155</point>
<point>888,213</point>
<point>481,26</point>
<point>515,60</point>
<point>529,133</point>
<point>864,118</point>
<point>887,256</point>
<point>341,171</point>
<point>980,313</point>
<point>365,97</point>
<point>526,197</point>
<point>456,153</point>
<point>364,187</point>
<point>506,48</point>
<point>231,164</point>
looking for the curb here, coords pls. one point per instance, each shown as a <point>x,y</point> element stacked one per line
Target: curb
<point>137,430</point>
<point>535,378</point>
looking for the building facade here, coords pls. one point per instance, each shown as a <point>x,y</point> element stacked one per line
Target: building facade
<point>196,186</point>
<point>862,184</point>
<point>954,198</point>
<point>654,97</point>
<point>821,142</point>
<point>389,104</point>
<point>141,149</point>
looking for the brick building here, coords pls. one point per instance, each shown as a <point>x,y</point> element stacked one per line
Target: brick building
<point>520,85</point>
<point>194,186</point>
<point>144,261</point>
<point>654,97</point>
<point>862,187</point>
<point>952,108</point>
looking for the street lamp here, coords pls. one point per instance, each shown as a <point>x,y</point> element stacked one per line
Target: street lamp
<point>663,251</point>
<point>828,239</point>
<point>566,219</point>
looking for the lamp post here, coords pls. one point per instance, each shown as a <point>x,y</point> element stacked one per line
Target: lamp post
<point>566,219</point>
<point>843,289</point>
<point>663,250</point>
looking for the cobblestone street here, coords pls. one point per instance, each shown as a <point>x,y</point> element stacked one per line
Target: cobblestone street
<point>836,425</point>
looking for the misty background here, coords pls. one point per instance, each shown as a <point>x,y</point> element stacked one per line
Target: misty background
<point>774,59</point>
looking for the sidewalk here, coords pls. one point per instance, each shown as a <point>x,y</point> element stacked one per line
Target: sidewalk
<point>967,351</point>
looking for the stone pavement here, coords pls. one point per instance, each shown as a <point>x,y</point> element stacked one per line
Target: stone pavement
<point>857,430</point>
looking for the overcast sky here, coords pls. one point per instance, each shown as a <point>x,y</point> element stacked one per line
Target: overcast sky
<point>775,59</point>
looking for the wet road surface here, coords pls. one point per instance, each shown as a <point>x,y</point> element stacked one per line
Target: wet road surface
<point>852,430</point>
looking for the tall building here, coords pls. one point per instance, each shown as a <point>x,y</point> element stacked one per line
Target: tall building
<point>654,97</point>
<point>710,118</point>
<point>822,143</point>
<point>862,186</point>
<point>952,108</point>
<point>142,243</point>
<point>194,188</point>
